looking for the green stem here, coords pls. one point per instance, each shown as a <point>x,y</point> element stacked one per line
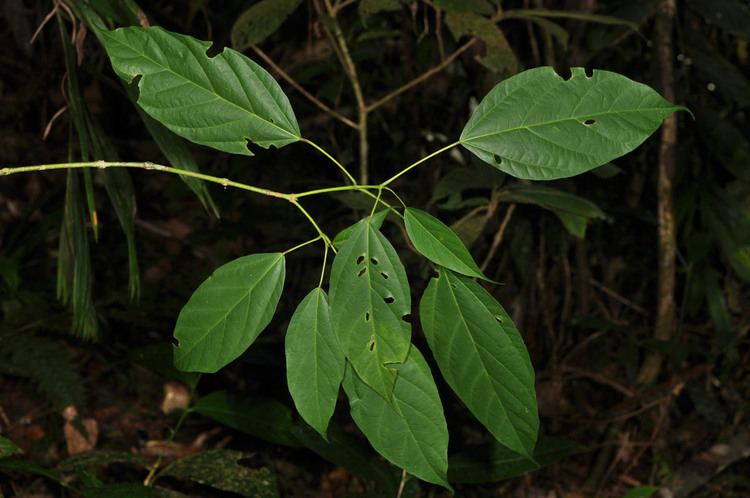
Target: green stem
<point>152,476</point>
<point>414,165</point>
<point>325,153</point>
<point>299,246</point>
<point>323,270</point>
<point>224,182</point>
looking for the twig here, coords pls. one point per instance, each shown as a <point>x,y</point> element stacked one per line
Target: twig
<point>419,79</point>
<point>618,297</point>
<point>312,98</point>
<point>350,69</point>
<point>498,237</point>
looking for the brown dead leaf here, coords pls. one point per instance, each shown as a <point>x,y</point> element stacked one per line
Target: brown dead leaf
<point>176,397</point>
<point>75,441</point>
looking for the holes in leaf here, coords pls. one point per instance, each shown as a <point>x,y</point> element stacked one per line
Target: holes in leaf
<point>499,319</point>
<point>384,275</point>
<point>497,159</point>
<point>362,271</point>
<point>371,346</point>
<point>589,122</point>
<point>407,318</point>
<point>388,300</point>
<point>367,316</point>
<point>589,72</point>
<point>175,342</point>
<point>360,259</point>
<point>374,261</point>
<point>566,74</point>
<point>214,50</point>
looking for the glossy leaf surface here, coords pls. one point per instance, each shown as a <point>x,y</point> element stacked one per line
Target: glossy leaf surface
<point>376,221</point>
<point>537,125</point>
<point>482,357</point>
<point>370,303</point>
<point>228,311</point>
<point>438,243</point>
<point>221,101</point>
<point>410,431</point>
<point>314,361</point>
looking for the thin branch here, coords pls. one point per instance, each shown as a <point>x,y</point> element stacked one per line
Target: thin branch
<point>618,297</point>
<point>422,77</point>
<point>498,237</point>
<point>312,98</point>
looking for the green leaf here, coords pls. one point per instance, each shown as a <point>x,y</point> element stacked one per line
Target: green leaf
<point>74,262</point>
<point>221,469</point>
<point>494,462</point>
<point>409,431</point>
<point>438,243</point>
<point>158,358</point>
<point>17,465</point>
<point>314,361</point>
<point>376,221</point>
<point>178,155</point>
<point>471,225</point>
<point>8,448</point>
<point>220,101</point>
<point>260,21</point>
<point>537,125</point>
<point>499,55</point>
<point>482,357</point>
<point>642,492</point>
<point>227,312</point>
<point>574,212</point>
<point>370,303</point>
<point>263,418</point>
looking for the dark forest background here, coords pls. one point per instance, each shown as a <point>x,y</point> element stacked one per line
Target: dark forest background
<point>636,317</point>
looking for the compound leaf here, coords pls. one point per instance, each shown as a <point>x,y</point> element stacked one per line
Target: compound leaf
<point>227,312</point>
<point>314,361</point>
<point>482,357</point>
<point>370,303</point>
<point>221,101</point>
<point>410,431</point>
<point>438,243</point>
<point>539,126</point>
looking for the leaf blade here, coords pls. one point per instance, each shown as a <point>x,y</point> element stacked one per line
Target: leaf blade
<point>220,102</point>
<point>526,124</point>
<point>438,243</point>
<point>482,357</point>
<point>216,325</point>
<point>314,361</point>
<point>410,431</point>
<point>369,299</point>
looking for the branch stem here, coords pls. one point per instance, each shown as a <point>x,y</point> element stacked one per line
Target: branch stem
<point>415,164</point>
<point>312,98</point>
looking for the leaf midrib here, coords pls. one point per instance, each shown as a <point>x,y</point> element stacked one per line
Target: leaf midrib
<point>571,118</point>
<point>211,92</point>
<point>481,360</point>
<point>245,295</point>
<point>475,271</point>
